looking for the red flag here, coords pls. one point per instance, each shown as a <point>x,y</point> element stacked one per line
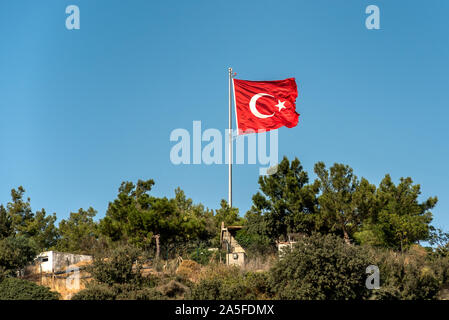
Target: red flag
<point>265,105</point>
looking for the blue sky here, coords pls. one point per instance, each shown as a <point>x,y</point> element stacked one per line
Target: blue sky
<point>83,110</point>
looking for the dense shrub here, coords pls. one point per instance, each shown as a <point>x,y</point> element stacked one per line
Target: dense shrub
<point>118,266</point>
<point>96,291</point>
<point>117,276</point>
<point>15,253</point>
<point>216,289</point>
<point>18,289</point>
<point>258,284</point>
<point>101,291</point>
<point>321,267</point>
<point>410,276</point>
<point>229,283</point>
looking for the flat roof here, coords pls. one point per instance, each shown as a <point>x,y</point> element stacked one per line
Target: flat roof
<point>234,227</point>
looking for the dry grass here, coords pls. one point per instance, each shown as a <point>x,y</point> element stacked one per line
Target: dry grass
<point>189,269</point>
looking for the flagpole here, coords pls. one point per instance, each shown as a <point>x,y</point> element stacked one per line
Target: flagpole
<point>230,142</point>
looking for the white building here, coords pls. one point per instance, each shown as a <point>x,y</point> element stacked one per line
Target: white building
<point>53,261</point>
<point>283,246</point>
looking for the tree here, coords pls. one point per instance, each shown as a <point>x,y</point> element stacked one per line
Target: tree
<point>344,202</point>
<point>137,217</point>
<point>196,221</point>
<point>226,214</point>
<point>285,204</point>
<point>43,230</point>
<point>15,253</point>
<point>24,222</point>
<point>123,214</point>
<point>6,229</point>
<point>79,233</point>
<point>402,219</point>
<point>440,240</point>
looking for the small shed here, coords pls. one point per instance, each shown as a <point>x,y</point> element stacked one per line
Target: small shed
<point>292,239</point>
<point>54,261</point>
<point>235,254</point>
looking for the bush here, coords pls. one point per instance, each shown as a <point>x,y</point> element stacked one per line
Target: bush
<point>118,266</point>
<point>18,289</point>
<point>174,289</point>
<point>228,283</point>
<point>96,291</point>
<point>321,268</point>
<point>99,291</point>
<point>257,283</point>
<point>410,276</point>
<point>117,276</point>
<point>216,289</point>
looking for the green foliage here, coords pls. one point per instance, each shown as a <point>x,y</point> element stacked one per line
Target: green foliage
<point>18,289</point>
<point>401,219</point>
<point>321,268</point>
<point>6,229</point>
<point>230,284</point>
<point>121,265</point>
<point>201,255</point>
<point>16,253</point>
<point>440,240</point>
<point>20,220</point>
<point>135,216</point>
<point>226,214</point>
<point>345,206</point>
<point>337,203</point>
<point>287,203</point>
<point>410,276</point>
<point>117,276</point>
<point>196,222</point>
<point>98,291</point>
<point>254,244</point>
<point>79,233</point>
<point>345,202</point>
<point>257,283</point>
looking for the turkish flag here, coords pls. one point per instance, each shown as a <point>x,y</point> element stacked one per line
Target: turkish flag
<point>265,105</point>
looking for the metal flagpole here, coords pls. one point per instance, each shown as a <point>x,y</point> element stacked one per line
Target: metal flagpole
<point>230,142</point>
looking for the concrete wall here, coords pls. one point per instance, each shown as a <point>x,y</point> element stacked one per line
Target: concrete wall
<point>59,261</point>
<point>240,261</point>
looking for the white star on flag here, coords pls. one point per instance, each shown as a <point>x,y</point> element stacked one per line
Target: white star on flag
<point>280,105</point>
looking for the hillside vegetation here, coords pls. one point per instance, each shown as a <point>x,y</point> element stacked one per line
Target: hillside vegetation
<point>148,247</point>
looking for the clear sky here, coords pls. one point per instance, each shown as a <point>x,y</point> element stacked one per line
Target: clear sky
<point>83,110</point>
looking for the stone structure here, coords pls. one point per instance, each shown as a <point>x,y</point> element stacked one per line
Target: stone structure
<point>235,254</point>
<point>54,261</point>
